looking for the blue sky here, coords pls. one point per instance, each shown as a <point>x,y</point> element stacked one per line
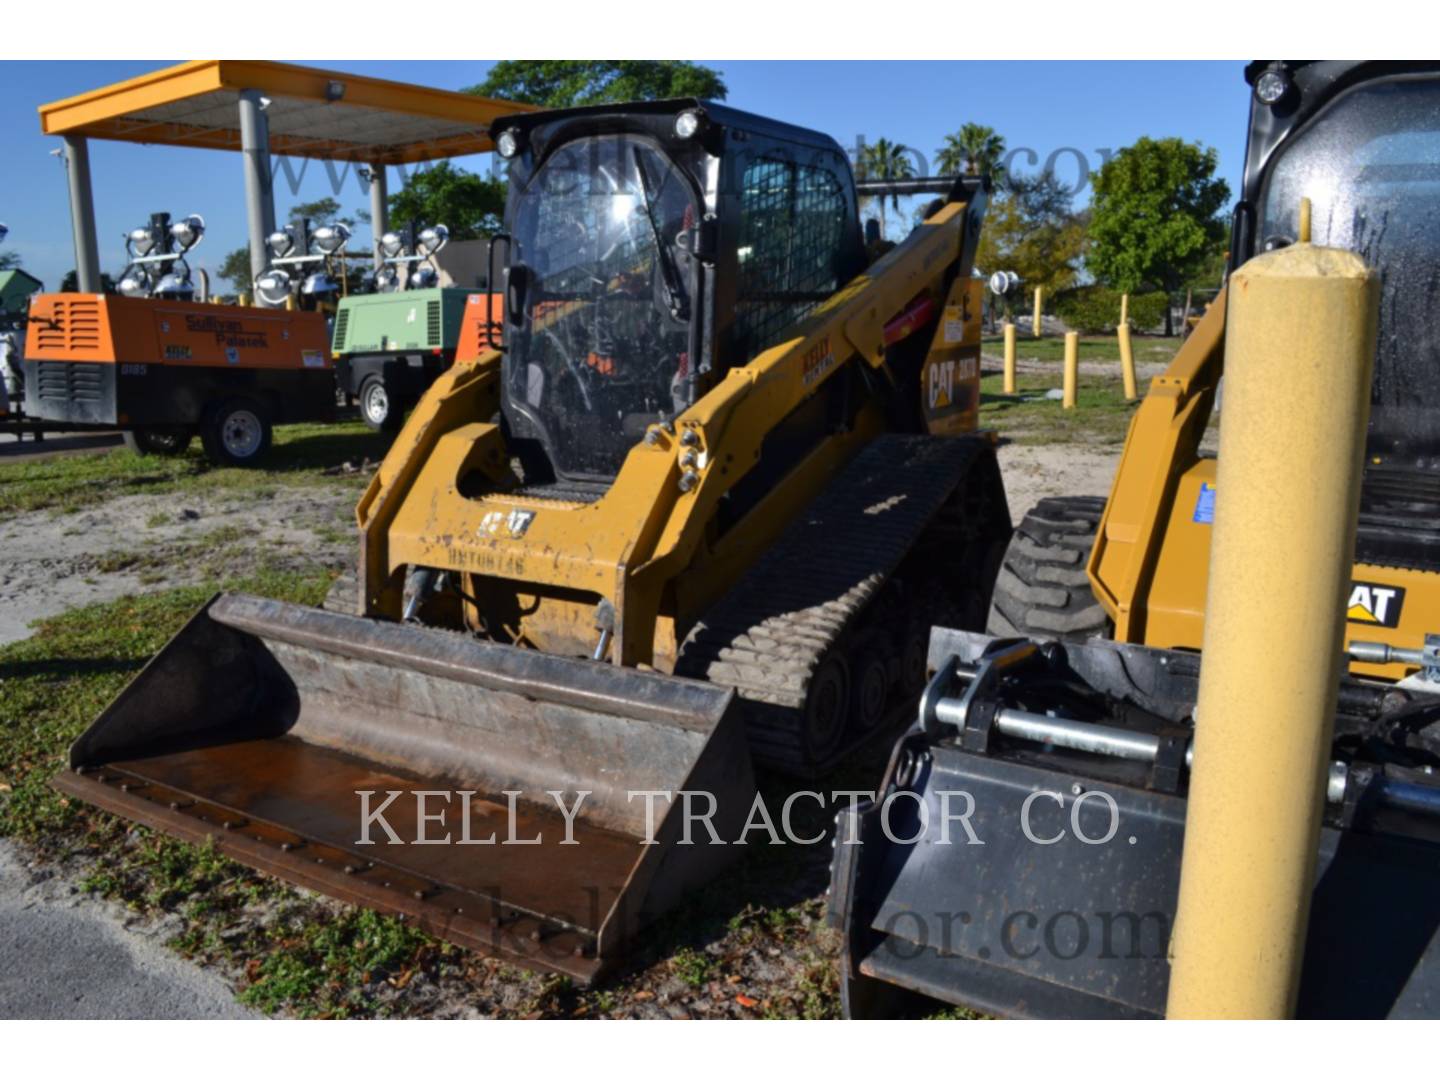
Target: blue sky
<point>1040,105</point>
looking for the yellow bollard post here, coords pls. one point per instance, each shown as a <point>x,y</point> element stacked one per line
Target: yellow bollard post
<point>1009,386</point>
<point>1280,564</point>
<point>1127,360</point>
<point>1124,309</point>
<point>1039,303</point>
<point>1072,367</point>
<point>243,299</point>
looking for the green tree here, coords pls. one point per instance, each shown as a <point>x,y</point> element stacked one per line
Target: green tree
<point>1031,228</point>
<point>9,260</point>
<point>1156,216</point>
<point>884,160</point>
<point>975,148</point>
<point>470,206</point>
<point>324,211</point>
<point>557,84</point>
<point>71,282</point>
<point>235,268</point>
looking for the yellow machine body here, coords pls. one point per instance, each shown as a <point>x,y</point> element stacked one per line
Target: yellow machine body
<point>538,568</point>
<point>1149,567</point>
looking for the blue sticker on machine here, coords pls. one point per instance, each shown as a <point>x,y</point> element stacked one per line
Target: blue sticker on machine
<point>1205,505</point>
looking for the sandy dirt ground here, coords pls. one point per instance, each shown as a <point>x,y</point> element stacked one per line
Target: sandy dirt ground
<point>1035,472</point>
<point>100,961</point>
<point>54,562</point>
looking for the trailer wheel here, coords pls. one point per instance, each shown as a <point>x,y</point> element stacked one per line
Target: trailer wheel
<point>165,441</point>
<point>378,405</point>
<point>237,433</point>
<point>1042,590</point>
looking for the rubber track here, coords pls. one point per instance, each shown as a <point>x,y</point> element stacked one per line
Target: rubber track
<point>769,633</point>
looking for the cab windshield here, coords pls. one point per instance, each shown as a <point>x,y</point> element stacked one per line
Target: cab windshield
<point>1370,165</point>
<point>604,347</point>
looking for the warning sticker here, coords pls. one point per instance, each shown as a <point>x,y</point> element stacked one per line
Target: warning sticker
<point>954,325</point>
<point>312,357</point>
<point>1205,506</point>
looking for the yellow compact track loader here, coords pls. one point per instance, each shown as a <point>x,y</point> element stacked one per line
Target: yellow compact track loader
<point>1078,709</point>
<point>701,501</point>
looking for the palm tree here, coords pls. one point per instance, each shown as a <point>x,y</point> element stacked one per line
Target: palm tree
<point>885,160</point>
<point>975,148</point>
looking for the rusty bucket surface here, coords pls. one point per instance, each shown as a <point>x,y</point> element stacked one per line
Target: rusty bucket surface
<point>261,723</point>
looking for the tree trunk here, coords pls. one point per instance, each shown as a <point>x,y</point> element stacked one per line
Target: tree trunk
<point>1185,319</point>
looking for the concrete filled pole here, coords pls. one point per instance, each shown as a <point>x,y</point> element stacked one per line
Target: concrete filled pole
<point>259,180</point>
<point>1127,360</point>
<point>1039,304</point>
<point>1299,348</point>
<point>1009,386</point>
<point>82,214</point>
<point>1072,368</point>
<point>379,209</point>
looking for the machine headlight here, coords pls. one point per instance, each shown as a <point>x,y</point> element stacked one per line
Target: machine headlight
<point>386,279</point>
<point>318,284</point>
<point>423,277</point>
<point>432,239</point>
<point>175,286</point>
<point>687,124</point>
<point>187,233</point>
<point>391,246</point>
<point>272,287</point>
<point>135,282</point>
<point>1272,86</point>
<point>280,242</point>
<point>331,238</point>
<point>140,241</point>
<point>506,144</point>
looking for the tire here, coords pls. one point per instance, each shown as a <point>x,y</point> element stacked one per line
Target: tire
<point>236,433</point>
<point>379,407</point>
<point>1042,589</point>
<point>162,441</point>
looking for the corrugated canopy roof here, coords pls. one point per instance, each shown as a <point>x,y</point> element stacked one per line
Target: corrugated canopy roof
<point>312,113</point>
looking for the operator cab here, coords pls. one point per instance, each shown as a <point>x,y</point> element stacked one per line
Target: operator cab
<point>650,247</point>
<point>1361,141</point>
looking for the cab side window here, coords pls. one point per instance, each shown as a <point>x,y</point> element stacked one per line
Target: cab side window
<point>790,252</point>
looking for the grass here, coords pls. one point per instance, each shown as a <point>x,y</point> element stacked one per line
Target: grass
<point>1147,349</point>
<point>309,956</point>
<point>302,454</point>
<point>1101,416</point>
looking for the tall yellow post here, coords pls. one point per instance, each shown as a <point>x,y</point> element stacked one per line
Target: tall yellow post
<point>1009,357</point>
<point>1125,309</point>
<point>1300,343</point>
<point>1072,367</point>
<point>1127,360</point>
<point>1039,303</point>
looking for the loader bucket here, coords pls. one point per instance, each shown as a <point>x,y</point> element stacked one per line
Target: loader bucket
<point>1048,912</point>
<point>261,722</point>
